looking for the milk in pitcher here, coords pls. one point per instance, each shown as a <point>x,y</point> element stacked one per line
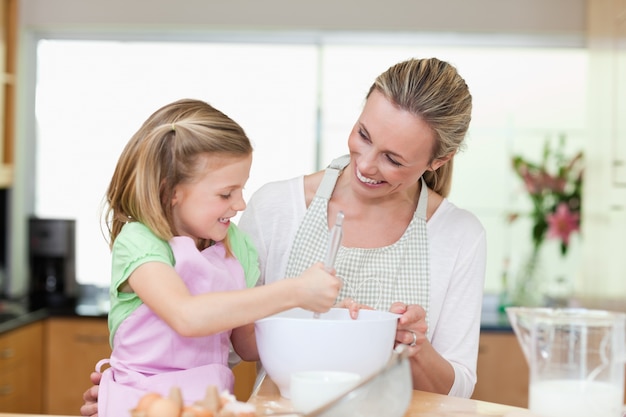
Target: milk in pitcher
<point>574,398</point>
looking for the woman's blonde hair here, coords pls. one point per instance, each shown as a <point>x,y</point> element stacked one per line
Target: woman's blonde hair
<point>163,153</point>
<point>433,90</point>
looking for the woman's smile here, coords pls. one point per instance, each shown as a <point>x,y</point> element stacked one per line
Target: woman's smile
<point>365,179</point>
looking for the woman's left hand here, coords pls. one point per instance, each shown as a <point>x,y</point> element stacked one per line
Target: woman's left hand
<point>352,306</point>
<point>412,326</point>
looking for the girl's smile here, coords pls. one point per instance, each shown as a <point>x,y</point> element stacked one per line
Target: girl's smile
<point>204,206</point>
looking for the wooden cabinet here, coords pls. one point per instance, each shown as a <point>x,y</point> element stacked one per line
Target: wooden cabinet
<point>502,370</point>
<point>21,363</point>
<point>73,347</point>
<point>8,45</point>
<point>245,376</point>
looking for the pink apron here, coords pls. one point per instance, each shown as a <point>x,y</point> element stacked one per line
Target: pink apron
<point>149,356</point>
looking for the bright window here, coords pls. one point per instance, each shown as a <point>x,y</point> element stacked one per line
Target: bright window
<point>297,102</point>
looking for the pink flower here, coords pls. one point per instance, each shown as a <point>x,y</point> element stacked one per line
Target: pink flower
<point>538,180</point>
<point>562,223</point>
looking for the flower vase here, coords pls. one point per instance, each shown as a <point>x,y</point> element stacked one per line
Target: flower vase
<point>561,276</point>
<point>546,277</point>
<point>528,287</point>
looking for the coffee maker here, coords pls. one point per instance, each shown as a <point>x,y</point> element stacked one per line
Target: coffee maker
<point>52,263</point>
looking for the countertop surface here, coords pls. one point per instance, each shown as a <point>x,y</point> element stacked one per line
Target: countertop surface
<point>17,317</point>
<point>16,313</point>
<point>422,403</point>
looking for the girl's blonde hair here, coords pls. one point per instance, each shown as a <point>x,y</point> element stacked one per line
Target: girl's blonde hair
<point>163,153</point>
<point>433,90</point>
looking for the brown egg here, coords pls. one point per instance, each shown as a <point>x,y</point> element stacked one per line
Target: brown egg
<point>163,407</point>
<point>147,400</point>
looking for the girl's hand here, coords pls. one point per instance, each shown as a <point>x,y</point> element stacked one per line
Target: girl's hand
<point>412,326</point>
<point>318,289</point>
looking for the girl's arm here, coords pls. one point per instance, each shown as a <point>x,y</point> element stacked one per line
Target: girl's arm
<point>210,313</point>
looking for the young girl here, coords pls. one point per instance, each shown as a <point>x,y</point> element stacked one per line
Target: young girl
<point>180,268</point>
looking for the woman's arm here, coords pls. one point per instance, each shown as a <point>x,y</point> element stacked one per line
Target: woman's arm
<point>458,254</point>
<point>243,340</point>
<point>90,407</point>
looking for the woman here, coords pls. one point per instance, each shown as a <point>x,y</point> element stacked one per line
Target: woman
<point>405,246</point>
<point>403,240</point>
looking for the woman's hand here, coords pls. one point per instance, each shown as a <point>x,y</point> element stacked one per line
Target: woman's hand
<point>353,306</point>
<point>90,407</point>
<point>412,326</point>
<point>430,371</point>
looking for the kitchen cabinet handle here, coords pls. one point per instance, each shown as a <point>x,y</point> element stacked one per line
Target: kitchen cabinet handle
<point>7,353</point>
<point>6,389</point>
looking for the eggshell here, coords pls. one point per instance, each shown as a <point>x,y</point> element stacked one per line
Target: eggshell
<point>211,400</point>
<point>135,413</point>
<point>177,396</point>
<point>238,409</point>
<point>196,411</point>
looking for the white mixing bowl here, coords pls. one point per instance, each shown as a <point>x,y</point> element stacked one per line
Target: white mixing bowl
<point>294,341</point>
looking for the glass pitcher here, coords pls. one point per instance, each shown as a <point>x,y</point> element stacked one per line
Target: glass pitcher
<point>576,359</point>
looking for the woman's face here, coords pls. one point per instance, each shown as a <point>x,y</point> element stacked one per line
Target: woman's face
<point>203,207</point>
<point>390,148</point>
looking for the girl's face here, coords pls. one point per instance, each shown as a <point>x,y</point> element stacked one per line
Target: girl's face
<point>203,207</point>
<point>390,148</point>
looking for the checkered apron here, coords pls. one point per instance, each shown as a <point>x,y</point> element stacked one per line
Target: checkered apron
<point>376,277</point>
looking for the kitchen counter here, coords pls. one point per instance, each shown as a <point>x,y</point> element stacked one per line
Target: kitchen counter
<point>14,314</point>
<point>14,318</point>
<point>422,404</point>
<point>17,313</point>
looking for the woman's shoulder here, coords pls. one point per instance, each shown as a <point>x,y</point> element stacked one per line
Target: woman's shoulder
<point>449,216</point>
<point>274,203</point>
<point>277,196</point>
<point>278,188</point>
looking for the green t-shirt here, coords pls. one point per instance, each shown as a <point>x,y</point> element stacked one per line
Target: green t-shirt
<point>136,245</point>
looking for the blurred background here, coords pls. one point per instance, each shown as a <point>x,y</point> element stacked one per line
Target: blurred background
<point>295,75</point>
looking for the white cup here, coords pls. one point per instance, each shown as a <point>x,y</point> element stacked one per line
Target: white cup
<point>312,389</point>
